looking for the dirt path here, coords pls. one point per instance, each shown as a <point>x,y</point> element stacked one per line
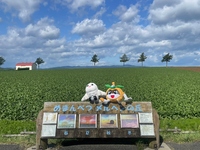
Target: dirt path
<point>196,69</point>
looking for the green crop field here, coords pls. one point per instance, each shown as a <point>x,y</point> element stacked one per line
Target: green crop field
<point>174,93</point>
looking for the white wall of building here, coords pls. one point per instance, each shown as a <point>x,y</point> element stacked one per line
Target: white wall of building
<point>32,67</point>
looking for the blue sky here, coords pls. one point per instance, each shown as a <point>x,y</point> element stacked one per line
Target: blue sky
<point>70,32</point>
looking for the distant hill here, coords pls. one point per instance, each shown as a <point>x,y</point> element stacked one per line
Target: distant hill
<point>2,69</point>
<point>112,66</point>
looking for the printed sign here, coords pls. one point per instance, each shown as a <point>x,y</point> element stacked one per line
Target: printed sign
<point>147,130</point>
<point>145,118</point>
<point>48,130</point>
<point>129,121</point>
<point>49,118</point>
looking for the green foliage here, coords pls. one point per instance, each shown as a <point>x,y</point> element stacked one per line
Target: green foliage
<point>183,124</point>
<point>167,58</point>
<point>142,58</point>
<point>124,59</point>
<point>2,60</point>
<point>174,93</point>
<point>39,61</point>
<point>95,59</point>
<point>15,127</point>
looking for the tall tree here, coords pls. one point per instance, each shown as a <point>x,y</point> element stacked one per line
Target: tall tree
<point>95,59</point>
<point>167,58</point>
<point>124,59</point>
<point>2,60</point>
<point>39,61</point>
<point>142,58</point>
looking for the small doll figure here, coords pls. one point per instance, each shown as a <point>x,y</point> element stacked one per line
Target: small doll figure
<point>93,93</point>
<point>115,94</point>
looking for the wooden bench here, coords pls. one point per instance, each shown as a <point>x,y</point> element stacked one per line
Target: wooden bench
<point>84,120</point>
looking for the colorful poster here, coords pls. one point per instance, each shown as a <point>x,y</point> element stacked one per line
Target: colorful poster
<point>49,118</point>
<point>108,121</point>
<point>66,121</point>
<point>129,121</point>
<point>88,120</point>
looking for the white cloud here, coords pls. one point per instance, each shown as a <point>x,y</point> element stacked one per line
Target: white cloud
<point>55,42</point>
<point>43,29</point>
<point>173,28</point>
<point>164,12</point>
<point>89,27</point>
<point>41,38</point>
<point>24,8</point>
<point>127,14</point>
<point>76,4</point>
<point>154,43</point>
<point>100,12</point>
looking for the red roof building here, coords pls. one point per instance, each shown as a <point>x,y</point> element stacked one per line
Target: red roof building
<point>26,66</point>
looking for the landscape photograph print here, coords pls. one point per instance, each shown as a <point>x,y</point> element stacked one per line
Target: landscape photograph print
<point>87,120</point>
<point>108,121</point>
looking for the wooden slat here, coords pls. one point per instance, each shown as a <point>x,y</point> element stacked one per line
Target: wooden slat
<point>98,133</point>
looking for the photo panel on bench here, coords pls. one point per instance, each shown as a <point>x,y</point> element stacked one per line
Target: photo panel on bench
<point>50,117</point>
<point>108,121</point>
<point>48,130</point>
<point>66,121</point>
<point>145,118</point>
<point>147,130</point>
<point>87,120</point>
<point>129,121</point>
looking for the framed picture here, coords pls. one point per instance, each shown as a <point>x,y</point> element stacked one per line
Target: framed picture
<point>147,130</point>
<point>48,130</point>
<point>145,118</point>
<point>108,121</point>
<point>129,121</point>
<point>66,121</point>
<point>87,120</point>
<point>49,118</point>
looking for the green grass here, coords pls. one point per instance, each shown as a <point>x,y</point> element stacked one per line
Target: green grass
<point>15,127</point>
<point>183,124</point>
<point>174,93</point>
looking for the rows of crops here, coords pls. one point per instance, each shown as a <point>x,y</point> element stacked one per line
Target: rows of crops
<point>174,93</point>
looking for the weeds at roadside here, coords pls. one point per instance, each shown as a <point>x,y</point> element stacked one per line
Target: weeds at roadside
<point>140,145</point>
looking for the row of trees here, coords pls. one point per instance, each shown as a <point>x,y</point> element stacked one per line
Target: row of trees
<point>124,58</point>
<point>2,60</point>
<point>38,61</point>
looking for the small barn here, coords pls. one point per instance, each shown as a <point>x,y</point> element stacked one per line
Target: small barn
<point>26,66</point>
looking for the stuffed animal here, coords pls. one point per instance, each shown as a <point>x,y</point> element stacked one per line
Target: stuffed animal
<point>93,93</point>
<point>115,94</point>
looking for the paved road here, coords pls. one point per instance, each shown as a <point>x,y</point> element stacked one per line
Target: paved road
<point>10,147</point>
<point>185,146</point>
<point>107,146</point>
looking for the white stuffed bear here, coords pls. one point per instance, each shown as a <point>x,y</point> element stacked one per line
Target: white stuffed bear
<point>93,93</point>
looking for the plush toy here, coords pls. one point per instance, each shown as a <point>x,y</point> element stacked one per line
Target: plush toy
<point>115,94</point>
<point>93,93</point>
